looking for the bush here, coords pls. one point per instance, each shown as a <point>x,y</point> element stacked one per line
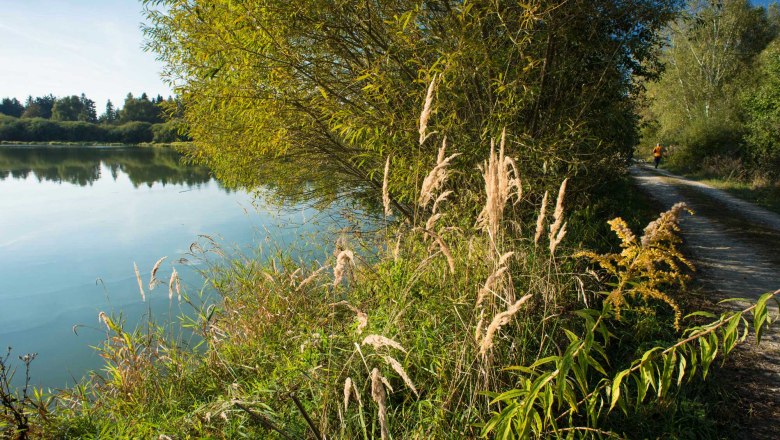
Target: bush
<point>45,130</point>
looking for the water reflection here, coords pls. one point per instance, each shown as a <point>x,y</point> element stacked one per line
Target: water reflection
<point>72,215</point>
<point>82,165</point>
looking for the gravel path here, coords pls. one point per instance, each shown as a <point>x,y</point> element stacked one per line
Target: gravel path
<point>736,248</point>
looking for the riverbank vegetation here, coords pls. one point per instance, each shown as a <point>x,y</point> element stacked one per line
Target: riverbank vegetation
<point>453,330</point>
<point>74,119</point>
<point>501,296</point>
<point>716,103</point>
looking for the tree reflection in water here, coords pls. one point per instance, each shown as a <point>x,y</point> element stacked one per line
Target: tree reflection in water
<point>82,165</point>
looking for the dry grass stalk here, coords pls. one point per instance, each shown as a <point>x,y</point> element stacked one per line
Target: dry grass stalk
<point>398,368</point>
<point>380,397</point>
<point>102,317</point>
<point>140,283</point>
<point>490,284</point>
<point>436,177</point>
<point>554,242</point>
<point>446,251</point>
<point>442,197</point>
<point>378,341</point>
<point>344,259</point>
<point>386,189</point>
<point>478,330</point>
<point>153,279</point>
<point>558,213</point>
<point>171,283</point>
<point>397,248</point>
<point>174,284</point>
<point>501,183</point>
<point>347,392</point>
<point>426,111</point>
<point>432,221</point>
<point>311,277</point>
<point>540,219</point>
<point>293,275</point>
<point>361,316</point>
<point>498,321</point>
<point>504,258</point>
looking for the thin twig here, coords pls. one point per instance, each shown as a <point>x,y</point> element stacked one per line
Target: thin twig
<point>313,427</point>
<point>263,420</point>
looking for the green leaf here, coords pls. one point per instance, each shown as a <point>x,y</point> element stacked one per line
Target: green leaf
<point>616,388</point>
<point>681,369</point>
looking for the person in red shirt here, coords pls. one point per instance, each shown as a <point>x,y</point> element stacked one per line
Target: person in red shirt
<point>658,152</point>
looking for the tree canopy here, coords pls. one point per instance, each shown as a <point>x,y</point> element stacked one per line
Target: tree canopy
<point>716,95</point>
<point>335,87</point>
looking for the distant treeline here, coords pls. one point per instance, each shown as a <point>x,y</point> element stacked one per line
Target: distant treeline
<point>45,130</point>
<point>74,119</point>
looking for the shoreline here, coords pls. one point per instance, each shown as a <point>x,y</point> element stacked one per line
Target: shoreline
<point>93,144</point>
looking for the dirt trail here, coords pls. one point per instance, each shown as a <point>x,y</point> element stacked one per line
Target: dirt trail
<point>736,248</point>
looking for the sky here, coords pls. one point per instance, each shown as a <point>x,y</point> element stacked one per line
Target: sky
<point>69,47</point>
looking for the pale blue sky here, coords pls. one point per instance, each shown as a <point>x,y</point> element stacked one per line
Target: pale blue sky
<point>67,47</point>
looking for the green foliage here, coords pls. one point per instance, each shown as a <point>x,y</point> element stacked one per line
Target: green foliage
<point>763,109</point>
<point>338,86</point>
<point>45,130</point>
<point>574,388</point>
<point>451,330</point>
<point>715,97</point>
<point>74,108</point>
<point>141,109</point>
<point>40,107</point>
<point>11,107</point>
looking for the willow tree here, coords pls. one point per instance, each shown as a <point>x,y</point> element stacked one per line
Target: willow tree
<point>323,91</point>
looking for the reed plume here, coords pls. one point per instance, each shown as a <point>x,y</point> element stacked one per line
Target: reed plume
<point>489,284</point>
<point>426,111</point>
<point>174,284</point>
<point>140,283</point>
<point>432,221</point>
<point>558,213</point>
<point>344,259</point>
<point>153,279</point>
<point>555,241</point>
<point>398,368</point>
<point>386,189</point>
<point>380,397</point>
<point>540,219</point>
<point>311,277</point>
<point>504,258</point>
<point>436,177</point>
<point>378,341</point>
<point>361,316</point>
<point>447,253</point>
<point>501,183</point>
<point>442,197</point>
<point>397,248</point>
<point>347,392</point>
<point>499,321</point>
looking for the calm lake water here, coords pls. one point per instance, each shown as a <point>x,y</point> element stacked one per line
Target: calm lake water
<point>73,220</point>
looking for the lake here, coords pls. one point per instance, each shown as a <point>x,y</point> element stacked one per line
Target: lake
<point>74,220</point>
